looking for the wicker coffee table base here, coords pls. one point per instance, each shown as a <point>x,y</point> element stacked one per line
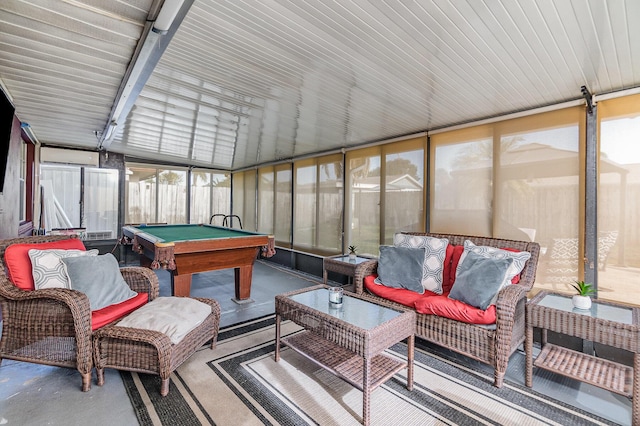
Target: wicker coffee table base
<point>349,352</point>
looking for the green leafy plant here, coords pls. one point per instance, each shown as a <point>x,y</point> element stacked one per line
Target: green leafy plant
<point>583,289</point>
<point>352,249</point>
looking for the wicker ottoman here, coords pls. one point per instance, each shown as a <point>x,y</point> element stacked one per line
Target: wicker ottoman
<point>148,351</point>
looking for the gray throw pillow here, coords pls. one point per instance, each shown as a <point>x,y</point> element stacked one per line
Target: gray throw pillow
<point>479,279</point>
<point>401,267</point>
<point>99,278</point>
<point>435,251</point>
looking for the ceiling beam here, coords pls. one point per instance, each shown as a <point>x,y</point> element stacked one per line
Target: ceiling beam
<point>156,36</point>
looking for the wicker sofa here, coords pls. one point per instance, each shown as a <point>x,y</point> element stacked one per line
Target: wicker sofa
<point>490,345</point>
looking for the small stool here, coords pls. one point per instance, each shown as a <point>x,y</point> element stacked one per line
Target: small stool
<point>149,351</point>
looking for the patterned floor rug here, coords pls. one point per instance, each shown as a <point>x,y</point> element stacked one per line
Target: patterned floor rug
<point>239,383</point>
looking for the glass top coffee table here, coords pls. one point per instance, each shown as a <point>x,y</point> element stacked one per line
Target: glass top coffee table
<point>348,341</point>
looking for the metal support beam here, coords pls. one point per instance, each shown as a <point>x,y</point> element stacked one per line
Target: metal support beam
<point>152,44</point>
<point>591,204</point>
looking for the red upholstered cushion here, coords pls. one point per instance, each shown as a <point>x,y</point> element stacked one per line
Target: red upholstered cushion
<point>446,270</point>
<point>441,305</point>
<point>398,295</point>
<point>455,259</point>
<point>16,257</point>
<point>116,311</point>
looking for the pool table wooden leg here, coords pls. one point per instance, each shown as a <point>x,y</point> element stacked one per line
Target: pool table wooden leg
<point>243,276</point>
<point>181,285</point>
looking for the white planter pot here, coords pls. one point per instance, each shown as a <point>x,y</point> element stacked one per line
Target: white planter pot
<point>352,256</point>
<point>581,302</point>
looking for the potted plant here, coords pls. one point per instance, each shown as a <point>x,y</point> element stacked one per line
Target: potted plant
<point>352,252</point>
<point>582,300</point>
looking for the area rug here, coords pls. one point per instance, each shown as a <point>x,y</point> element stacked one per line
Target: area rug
<point>239,383</point>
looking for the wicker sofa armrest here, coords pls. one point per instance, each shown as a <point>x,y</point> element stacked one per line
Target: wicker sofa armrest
<point>364,270</point>
<point>506,303</point>
<point>141,280</point>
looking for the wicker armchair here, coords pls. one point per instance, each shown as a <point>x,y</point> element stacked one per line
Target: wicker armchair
<point>53,326</point>
<point>487,345</point>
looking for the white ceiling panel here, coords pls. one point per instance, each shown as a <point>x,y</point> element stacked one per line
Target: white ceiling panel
<point>63,62</point>
<point>248,82</point>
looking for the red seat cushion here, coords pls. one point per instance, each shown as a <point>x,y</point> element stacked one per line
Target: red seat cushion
<point>16,257</point>
<point>433,304</point>
<point>398,295</point>
<point>441,305</point>
<point>116,311</point>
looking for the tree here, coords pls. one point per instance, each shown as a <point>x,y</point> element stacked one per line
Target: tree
<point>224,182</point>
<point>398,167</point>
<point>170,177</point>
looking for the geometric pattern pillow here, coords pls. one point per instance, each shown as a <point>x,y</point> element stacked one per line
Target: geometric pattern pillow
<point>48,270</point>
<point>434,255</point>
<point>519,259</point>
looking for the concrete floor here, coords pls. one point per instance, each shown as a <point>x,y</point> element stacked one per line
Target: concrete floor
<point>31,394</point>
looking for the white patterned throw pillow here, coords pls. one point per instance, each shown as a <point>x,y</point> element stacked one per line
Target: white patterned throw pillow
<point>519,260</point>
<point>434,254</point>
<point>47,268</point>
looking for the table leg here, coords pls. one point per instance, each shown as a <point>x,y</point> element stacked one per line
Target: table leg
<point>528,352</point>
<point>181,285</point>
<point>325,276</point>
<point>277,352</point>
<point>410,351</point>
<point>366,392</point>
<point>243,276</point>
<point>635,401</point>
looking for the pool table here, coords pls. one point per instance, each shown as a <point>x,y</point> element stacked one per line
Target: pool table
<point>186,249</point>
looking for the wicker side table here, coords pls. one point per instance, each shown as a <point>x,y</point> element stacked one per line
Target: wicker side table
<point>348,343</point>
<point>342,264</point>
<point>606,323</point>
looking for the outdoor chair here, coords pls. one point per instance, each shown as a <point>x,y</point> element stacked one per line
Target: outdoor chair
<point>54,326</point>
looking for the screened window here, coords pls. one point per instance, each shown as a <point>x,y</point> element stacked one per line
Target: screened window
<point>101,203</point>
<point>385,187</point>
<point>210,194</point>
<point>80,197</point>
<point>266,196</point>
<point>462,181</point>
<point>156,195</point>
<point>61,196</point>
<point>516,179</point>
<point>282,212</point>
<point>618,248</point>
<point>318,204</point>
<point>244,198</point>
<point>274,202</point>
<point>362,224</point>
<point>404,188</point>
